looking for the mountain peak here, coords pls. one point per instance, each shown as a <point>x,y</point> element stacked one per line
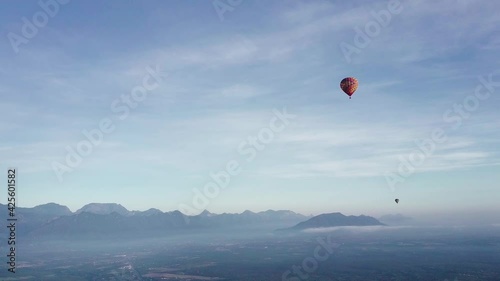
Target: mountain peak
<point>151,211</point>
<point>206,213</point>
<point>53,209</point>
<point>104,209</point>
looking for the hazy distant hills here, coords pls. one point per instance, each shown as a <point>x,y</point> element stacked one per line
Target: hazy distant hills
<point>334,219</point>
<point>109,219</point>
<point>33,218</point>
<point>102,219</point>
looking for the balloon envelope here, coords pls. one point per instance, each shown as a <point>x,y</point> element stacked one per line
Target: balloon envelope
<point>349,85</point>
<point>397,201</point>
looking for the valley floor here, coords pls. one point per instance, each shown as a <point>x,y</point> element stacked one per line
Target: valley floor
<point>405,253</point>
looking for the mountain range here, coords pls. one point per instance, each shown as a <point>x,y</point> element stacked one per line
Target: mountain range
<point>110,219</point>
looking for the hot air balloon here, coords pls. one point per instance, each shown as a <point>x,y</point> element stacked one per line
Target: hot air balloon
<point>397,201</point>
<point>349,85</point>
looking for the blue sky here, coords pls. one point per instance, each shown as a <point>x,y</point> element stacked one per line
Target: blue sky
<point>225,77</point>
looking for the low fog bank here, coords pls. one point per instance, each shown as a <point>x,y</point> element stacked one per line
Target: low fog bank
<point>464,219</point>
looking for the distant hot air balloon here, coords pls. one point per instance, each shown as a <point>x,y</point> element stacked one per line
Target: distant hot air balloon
<point>397,201</point>
<point>349,85</point>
